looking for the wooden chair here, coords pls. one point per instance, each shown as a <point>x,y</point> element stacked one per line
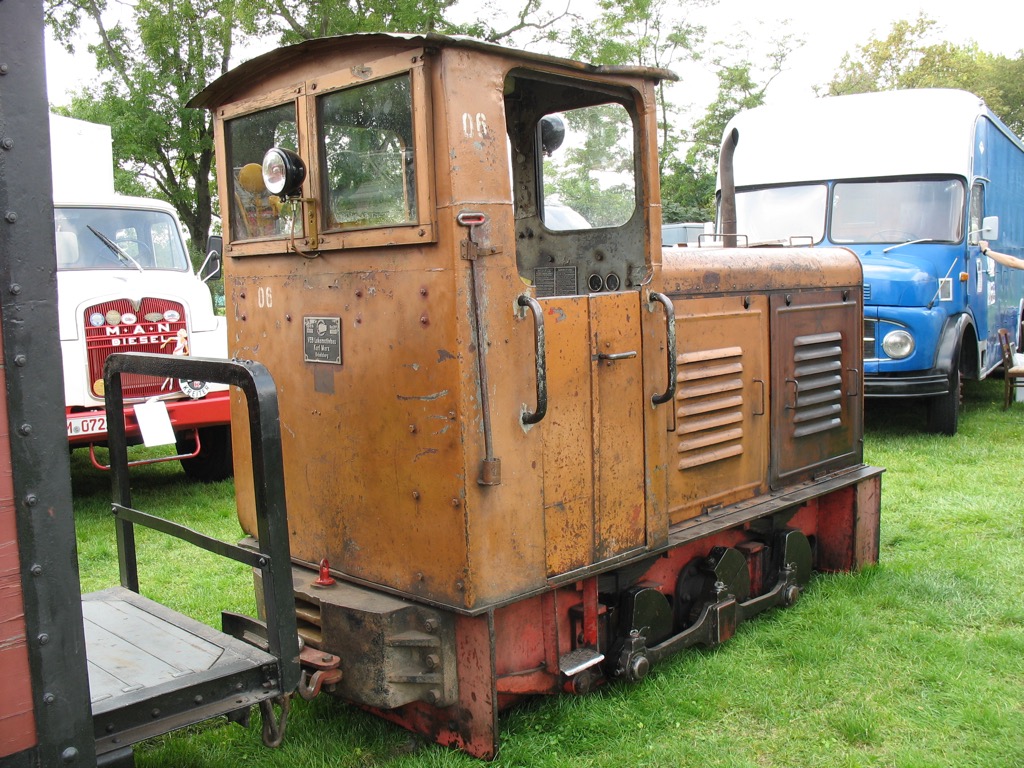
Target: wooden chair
<point>1013,375</point>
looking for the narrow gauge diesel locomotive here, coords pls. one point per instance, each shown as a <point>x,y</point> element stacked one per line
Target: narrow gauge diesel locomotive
<point>526,449</point>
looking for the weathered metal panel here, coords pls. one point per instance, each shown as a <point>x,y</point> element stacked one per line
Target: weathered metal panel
<point>816,383</point>
<point>386,511</point>
<point>719,448</point>
<point>568,468</point>
<point>38,487</point>
<point>618,441</point>
<point>17,721</point>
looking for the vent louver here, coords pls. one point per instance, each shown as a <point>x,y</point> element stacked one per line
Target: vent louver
<point>819,383</point>
<point>709,406</point>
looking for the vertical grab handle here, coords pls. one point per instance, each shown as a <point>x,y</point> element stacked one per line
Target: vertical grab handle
<point>541,358</point>
<point>670,326</point>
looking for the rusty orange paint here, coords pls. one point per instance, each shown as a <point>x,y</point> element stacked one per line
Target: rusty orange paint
<point>17,719</point>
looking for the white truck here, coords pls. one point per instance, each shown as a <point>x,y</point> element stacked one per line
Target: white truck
<point>125,283</point>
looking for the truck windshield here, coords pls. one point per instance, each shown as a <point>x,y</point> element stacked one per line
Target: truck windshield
<point>143,239</point>
<point>898,211</point>
<point>777,214</point>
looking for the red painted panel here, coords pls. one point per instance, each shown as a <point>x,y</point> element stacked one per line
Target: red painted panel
<point>17,721</point>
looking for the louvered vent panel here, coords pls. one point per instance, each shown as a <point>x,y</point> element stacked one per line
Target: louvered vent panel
<point>709,399</point>
<point>870,336</point>
<point>819,383</point>
<point>555,281</point>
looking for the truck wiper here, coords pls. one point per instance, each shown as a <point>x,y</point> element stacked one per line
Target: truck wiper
<point>910,242</point>
<point>116,249</point>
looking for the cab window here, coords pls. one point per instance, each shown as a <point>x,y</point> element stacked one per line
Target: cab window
<point>368,151</point>
<point>254,212</point>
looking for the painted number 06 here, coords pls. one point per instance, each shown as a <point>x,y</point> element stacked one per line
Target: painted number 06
<point>264,298</point>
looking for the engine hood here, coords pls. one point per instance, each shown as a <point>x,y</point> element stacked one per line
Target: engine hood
<point>904,281</point>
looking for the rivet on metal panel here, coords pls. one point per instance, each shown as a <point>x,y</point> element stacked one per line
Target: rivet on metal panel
<point>20,360</point>
<point>455,502</point>
<point>7,143</point>
<point>423,291</point>
<point>15,287</point>
<point>43,638</point>
<point>4,69</point>
<point>416,494</point>
<point>25,430</point>
<point>36,570</point>
<point>69,755</point>
<point>412,429</point>
<point>11,217</point>
<point>49,698</point>
<point>31,500</point>
<point>424,320</point>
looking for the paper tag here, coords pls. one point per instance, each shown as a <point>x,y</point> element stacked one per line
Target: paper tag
<point>154,423</point>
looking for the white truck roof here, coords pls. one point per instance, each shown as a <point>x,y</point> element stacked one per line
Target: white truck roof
<point>888,133</point>
<point>82,159</point>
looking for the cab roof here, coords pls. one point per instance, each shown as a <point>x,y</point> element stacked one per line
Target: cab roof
<point>222,89</point>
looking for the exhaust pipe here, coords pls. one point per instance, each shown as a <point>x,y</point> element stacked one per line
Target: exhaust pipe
<point>727,205</point>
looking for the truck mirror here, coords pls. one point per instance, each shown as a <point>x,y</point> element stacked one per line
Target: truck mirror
<point>210,268</point>
<point>990,228</point>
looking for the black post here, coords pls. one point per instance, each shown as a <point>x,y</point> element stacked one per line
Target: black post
<point>35,388</point>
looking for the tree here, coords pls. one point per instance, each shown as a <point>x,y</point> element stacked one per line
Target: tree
<point>688,184</point>
<point>905,58</point>
<point>150,65</point>
<point>292,21</point>
<point>647,33</point>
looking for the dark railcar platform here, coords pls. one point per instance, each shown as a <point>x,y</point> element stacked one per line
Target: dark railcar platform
<point>152,670</point>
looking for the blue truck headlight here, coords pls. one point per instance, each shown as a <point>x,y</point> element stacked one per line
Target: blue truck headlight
<point>898,344</point>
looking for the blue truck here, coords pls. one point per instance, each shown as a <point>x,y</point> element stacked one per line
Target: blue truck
<point>911,181</point>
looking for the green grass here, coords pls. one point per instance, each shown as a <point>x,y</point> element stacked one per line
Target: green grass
<point>913,663</point>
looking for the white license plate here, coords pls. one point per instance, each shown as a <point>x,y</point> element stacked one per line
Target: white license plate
<point>86,425</point>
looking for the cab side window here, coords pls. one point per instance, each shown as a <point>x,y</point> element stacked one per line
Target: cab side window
<point>368,150</point>
<point>254,212</point>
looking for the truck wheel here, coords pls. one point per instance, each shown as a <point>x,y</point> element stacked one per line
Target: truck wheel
<point>944,410</point>
<point>214,460</point>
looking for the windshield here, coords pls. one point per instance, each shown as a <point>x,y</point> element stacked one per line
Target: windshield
<point>117,238</point>
<point>898,211</point>
<point>777,214</point>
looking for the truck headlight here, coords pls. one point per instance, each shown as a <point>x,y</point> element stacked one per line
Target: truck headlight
<point>898,344</point>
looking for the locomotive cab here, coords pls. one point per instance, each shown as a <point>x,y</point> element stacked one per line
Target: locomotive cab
<point>530,451</point>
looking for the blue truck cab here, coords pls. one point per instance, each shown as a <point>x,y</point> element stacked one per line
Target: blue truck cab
<point>911,181</point>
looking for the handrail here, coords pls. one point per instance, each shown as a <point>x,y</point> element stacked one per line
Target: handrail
<point>256,383</point>
<point>670,343</point>
<point>525,300</point>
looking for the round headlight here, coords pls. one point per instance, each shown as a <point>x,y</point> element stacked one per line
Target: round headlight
<point>283,172</point>
<point>898,344</point>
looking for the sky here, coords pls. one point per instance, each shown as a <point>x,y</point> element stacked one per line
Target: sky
<point>828,28</point>
<point>831,29</point>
